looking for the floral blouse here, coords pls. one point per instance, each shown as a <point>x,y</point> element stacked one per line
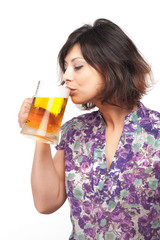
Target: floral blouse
<point>121,203</point>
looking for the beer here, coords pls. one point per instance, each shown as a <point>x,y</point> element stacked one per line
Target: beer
<point>46,113</point>
<point>45,117</point>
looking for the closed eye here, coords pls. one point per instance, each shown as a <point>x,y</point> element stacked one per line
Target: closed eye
<point>78,67</point>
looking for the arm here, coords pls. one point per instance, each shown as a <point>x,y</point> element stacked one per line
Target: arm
<point>48,174</point>
<point>48,179</point>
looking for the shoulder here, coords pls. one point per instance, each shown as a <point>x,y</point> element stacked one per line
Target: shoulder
<point>150,120</point>
<point>153,116</point>
<point>80,122</point>
<point>77,128</point>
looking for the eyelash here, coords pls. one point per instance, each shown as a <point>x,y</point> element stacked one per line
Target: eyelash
<point>78,67</point>
<point>75,68</point>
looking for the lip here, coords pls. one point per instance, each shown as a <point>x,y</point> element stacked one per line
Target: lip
<point>72,90</point>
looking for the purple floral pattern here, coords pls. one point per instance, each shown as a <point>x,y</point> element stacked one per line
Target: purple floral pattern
<point>121,203</point>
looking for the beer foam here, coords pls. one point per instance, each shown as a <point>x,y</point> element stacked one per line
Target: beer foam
<point>52,90</point>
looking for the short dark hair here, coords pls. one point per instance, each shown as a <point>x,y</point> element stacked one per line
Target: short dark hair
<point>112,53</point>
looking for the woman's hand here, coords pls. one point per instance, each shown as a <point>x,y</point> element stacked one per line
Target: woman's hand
<point>24,110</point>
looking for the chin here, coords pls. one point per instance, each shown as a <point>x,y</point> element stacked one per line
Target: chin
<point>77,101</point>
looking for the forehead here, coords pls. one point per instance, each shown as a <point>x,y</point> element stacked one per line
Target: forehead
<point>74,52</point>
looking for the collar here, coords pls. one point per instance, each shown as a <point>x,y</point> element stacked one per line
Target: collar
<point>136,115</point>
<point>132,117</point>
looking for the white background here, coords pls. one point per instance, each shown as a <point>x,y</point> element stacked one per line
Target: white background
<point>31,35</point>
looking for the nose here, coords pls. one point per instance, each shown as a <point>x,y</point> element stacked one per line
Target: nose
<point>68,76</point>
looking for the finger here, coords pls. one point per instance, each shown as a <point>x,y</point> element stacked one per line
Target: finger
<point>26,103</point>
<point>22,119</point>
<point>26,107</point>
<point>24,110</point>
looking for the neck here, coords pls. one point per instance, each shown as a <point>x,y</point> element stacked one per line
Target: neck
<point>113,115</point>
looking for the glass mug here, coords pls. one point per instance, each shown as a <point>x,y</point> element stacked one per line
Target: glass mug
<point>46,113</point>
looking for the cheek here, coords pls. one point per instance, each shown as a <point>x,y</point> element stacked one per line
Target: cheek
<point>82,82</point>
<point>85,79</point>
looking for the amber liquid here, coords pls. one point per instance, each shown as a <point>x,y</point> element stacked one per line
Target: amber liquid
<point>45,118</point>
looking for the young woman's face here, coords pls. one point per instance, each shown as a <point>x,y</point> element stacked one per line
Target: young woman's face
<point>84,81</point>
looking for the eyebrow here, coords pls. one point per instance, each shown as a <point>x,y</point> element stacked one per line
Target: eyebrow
<point>74,59</point>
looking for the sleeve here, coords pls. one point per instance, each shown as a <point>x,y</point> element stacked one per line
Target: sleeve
<point>67,133</point>
<point>63,138</point>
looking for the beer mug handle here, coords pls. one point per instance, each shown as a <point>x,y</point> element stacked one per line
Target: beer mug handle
<point>36,89</point>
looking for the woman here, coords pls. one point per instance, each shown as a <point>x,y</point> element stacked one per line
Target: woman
<point>108,161</point>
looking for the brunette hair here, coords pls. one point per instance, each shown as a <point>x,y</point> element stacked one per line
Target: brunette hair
<point>112,53</point>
